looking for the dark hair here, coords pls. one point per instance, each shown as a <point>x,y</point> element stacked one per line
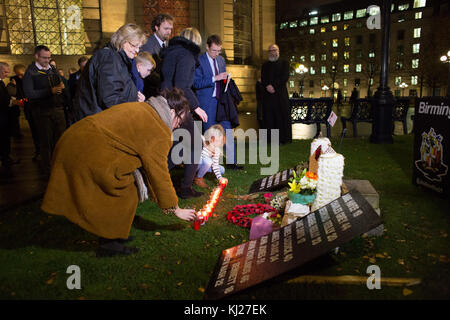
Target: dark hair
<point>214,39</point>
<point>82,59</point>
<point>177,101</point>
<point>39,48</point>
<point>160,18</point>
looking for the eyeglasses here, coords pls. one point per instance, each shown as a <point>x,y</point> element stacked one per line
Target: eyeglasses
<point>134,45</point>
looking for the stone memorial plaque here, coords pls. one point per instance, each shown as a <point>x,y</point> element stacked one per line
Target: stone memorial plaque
<point>274,182</point>
<point>305,239</point>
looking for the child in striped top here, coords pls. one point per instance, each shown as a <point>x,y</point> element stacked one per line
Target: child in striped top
<point>213,141</point>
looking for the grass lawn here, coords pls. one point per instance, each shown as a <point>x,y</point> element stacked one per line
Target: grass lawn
<point>176,262</point>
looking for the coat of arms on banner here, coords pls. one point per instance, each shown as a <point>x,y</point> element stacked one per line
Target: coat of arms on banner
<point>431,156</point>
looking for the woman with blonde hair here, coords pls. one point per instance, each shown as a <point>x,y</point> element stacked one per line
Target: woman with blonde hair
<point>179,61</point>
<point>106,79</point>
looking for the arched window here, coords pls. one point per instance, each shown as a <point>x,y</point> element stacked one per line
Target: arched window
<point>67,27</point>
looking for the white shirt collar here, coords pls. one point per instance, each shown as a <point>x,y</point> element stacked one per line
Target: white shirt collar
<point>41,67</point>
<point>159,40</point>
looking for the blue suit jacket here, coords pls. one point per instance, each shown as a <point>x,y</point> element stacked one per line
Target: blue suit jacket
<point>203,78</point>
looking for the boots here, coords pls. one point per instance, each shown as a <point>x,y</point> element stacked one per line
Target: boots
<point>200,182</point>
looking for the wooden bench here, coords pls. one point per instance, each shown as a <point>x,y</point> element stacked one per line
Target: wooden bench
<point>362,112</point>
<point>311,111</point>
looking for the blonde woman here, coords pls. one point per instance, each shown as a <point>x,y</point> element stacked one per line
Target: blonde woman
<point>106,80</point>
<point>179,61</point>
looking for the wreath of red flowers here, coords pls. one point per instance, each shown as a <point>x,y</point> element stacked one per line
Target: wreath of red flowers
<point>240,213</point>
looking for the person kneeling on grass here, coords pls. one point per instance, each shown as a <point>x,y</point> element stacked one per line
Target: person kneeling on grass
<point>213,142</point>
<point>92,181</point>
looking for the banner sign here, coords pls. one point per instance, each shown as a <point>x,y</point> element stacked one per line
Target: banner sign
<point>287,248</point>
<point>273,182</point>
<point>432,144</point>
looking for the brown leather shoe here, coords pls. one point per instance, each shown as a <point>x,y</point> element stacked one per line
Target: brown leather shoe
<point>200,182</point>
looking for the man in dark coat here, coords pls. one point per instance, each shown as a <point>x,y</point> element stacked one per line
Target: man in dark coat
<point>5,119</point>
<point>162,25</point>
<point>276,110</point>
<point>43,87</point>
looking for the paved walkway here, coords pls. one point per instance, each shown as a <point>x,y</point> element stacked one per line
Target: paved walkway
<point>24,181</point>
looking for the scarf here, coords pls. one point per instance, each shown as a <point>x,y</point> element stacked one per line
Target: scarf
<point>162,108</point>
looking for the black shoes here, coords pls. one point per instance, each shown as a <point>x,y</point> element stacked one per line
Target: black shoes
<point>234,167</point>
<point>186,193</point>
<point>113,247</point>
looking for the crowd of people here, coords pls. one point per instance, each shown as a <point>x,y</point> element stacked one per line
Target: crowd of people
<point>104,136</point>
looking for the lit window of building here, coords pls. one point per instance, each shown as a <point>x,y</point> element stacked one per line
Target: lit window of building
<point>323,69</point>
<point>358,67</point>
<point>371,54</point>
<point>302,58</point>
<point>348,15</point>
<point>334,28</point>
<point>398,80</point>
<point>336,17</point>
<point>404,6</point>
<point>346,68</point>
<point>414,80</point>
<point>284,25</point>
<point>418,15</point>
<point>324,43</point>
<point>346,55</point>
<point>325,19</point>
<point>312,70</point>
<point>335,55</point>
<point>313,57</point>
<point>291,84</point>
<point>293,24</point>
<point>313,21</point>
<point>347,41</point>
<point>312,31</point>
<point>323,57</point>
<point>417,32</point>
<point>303,23</point>
<point>399,65</point>
<point>323,29</point>
<point>414,63</point>
<point>345,82</point>
<point>335,43</point>
<point>345,26</point>
<point>360,13</point>
<point>419,3</point>
<point>416,48</point>
<point>374,10</point>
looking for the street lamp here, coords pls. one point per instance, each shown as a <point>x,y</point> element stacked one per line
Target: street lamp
<point>325,88</point>
<point>301,70</point>
<point>446,59</point>
<point>403,86</point>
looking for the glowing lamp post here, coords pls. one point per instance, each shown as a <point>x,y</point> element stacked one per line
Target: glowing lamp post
<point>301,70</point>
<point>325,88</point>
<point>446,59</point>
<point>403,86</point>
<point>208,208</point>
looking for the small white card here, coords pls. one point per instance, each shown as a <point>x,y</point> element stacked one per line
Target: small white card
<point>332,118</point>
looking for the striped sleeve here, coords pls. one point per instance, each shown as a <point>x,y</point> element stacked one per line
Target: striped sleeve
<point>215,163</point>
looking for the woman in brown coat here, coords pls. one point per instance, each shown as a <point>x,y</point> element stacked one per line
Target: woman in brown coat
<point>92,182</point>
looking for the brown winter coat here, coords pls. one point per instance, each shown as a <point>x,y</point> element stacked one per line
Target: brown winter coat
<point>92,182</point>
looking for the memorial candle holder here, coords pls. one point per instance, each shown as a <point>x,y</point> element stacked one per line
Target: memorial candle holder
<point>206,212</point>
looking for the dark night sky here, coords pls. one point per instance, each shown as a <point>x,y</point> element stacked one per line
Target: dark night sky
<point>289,8</point>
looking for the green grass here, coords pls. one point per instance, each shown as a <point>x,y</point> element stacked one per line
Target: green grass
<point>36,248</point>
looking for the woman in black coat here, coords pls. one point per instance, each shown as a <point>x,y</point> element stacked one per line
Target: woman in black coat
<point>179,61</point>
<point>106,80</point>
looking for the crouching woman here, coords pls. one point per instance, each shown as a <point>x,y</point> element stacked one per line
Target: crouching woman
<point>92,182</point>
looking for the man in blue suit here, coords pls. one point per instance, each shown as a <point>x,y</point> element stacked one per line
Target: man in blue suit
<point>209,73</point>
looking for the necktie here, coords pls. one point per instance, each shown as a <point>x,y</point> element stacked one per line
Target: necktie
<point>216,72</point>
<point>163,45</point>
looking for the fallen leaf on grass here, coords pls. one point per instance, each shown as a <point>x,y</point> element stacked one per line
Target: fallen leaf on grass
<point>179,262</point>
<point>407,292</point>
<point>179,284</point>
<point>157,233</point>
<point>401,261</point>
<point>232,237</point>
<point>380,255</point>
<point>146,266</point>
<point>201,289</point>
<point>372,260</point>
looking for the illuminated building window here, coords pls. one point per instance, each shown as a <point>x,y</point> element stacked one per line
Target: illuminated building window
<point>418,15</point>
<point>346,55</point>
<point>334,28</point>
<point>402,7</point>
<point>324,43</point>
<point>313,57</point>
<point>345,26</point>
<point>284,25</point>
<point>293,24</point>
<point>323,69</point>
<point>323,29</point>
<point>346,68</point>
<point>312,31</point>
<point>416,48</point>
<point>312,70</point>
<point>313,21</point>
<point>323,57</point>
<point>375,10</point>
<point>417,32</point>
<point>348,15</point>
<point>303,23</point>
<point>371,54</point>
<point>335,55</point>
<point>58,24</point>
<point>336,17</point>
<point>398,80</point>
<point>414,63</point>
<point>360,13</point>
<point>419,3</point>
<point>345,82</point>
<point>335,43</point>
<point>325,19</point>
<point>358,67</point>
<point>414,80</point>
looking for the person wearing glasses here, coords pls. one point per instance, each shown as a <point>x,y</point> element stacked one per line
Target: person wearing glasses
<point>43,87</point>
<point>92,182</point>
<point>106,80</point>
